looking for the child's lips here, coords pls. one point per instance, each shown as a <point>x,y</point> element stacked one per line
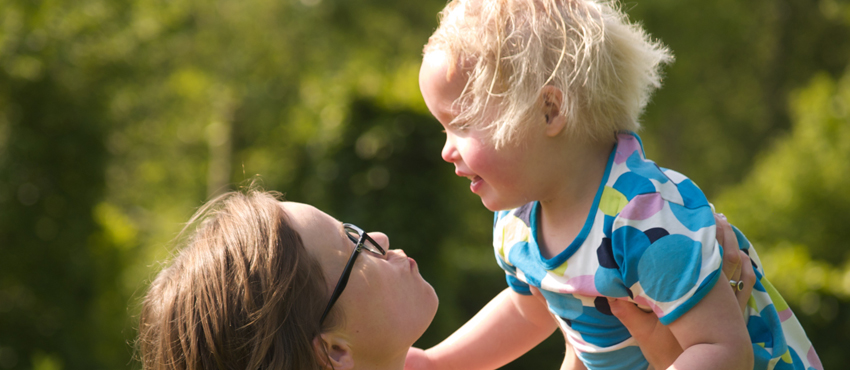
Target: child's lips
<point>475,184</point>
<point>475,181</point>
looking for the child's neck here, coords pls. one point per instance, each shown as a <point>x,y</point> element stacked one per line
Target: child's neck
<point>564,213</point>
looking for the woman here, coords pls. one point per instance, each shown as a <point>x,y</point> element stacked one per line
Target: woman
<point>249,290</point>
<point>264,284</point>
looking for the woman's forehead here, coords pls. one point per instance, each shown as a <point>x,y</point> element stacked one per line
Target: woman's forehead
<point>305,213</point>
<point>315,227</point>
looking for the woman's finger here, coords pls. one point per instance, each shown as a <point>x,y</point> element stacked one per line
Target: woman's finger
<point>639,323</point>
<point>731,259</point>
<point>736,263</point>
<point>657,342</point>
<point>720,221</point>
<point>748,277</point>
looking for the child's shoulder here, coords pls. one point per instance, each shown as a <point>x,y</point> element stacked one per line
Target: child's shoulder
<point>640,194</point>
<point>634,178</point>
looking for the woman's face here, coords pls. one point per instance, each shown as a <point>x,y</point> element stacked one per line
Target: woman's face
<point>387,305</point>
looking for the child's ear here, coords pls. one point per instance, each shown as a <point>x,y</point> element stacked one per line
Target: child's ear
<point>551,98</point>
<point>333,352</point>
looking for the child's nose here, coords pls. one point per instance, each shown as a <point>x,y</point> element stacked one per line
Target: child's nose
<point>449,152</point>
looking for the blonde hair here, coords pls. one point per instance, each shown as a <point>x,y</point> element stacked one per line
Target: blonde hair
<point>243,293</point>
<point>606,66</point>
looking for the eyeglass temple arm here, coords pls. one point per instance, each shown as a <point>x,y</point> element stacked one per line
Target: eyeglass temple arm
<point>343,281</point>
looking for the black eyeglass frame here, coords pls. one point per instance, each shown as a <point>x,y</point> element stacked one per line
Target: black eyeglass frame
<point>359,245</point>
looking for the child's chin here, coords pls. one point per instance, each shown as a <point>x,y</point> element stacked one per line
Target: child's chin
<point>494,206</point>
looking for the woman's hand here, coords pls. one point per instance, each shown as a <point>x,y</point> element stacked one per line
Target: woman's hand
<point>657,343</point>
<point>736,263</point>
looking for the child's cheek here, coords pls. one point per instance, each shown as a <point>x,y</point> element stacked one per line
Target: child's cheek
<point>481,160</point>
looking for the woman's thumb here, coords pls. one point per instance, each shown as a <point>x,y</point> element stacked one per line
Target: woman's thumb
<point>623,310</point>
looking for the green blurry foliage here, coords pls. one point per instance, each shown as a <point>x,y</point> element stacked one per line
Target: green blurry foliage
<point>118,119</point>
<point>794,205</point>
<point>725,96</point>
<point>804,171</point>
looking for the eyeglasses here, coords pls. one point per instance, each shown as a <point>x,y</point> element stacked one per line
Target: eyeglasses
<point>362,241</point>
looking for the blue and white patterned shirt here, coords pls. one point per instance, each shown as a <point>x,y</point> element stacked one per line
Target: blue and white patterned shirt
<point>649,238</point>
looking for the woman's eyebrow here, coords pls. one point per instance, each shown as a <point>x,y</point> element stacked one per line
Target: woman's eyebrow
<point>344,234</point>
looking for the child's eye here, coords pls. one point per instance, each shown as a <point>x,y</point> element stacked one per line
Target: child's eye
<point>461,126</point>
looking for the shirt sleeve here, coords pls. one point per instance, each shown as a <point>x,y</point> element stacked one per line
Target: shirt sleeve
<point>514,282</point>
<point>667,253</point>
<point>503,233</point>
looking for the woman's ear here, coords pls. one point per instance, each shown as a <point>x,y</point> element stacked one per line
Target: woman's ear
<point>551,98</point>
<point>333,352</point>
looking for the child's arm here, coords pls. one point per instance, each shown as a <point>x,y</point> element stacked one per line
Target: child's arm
<point>507,327</point>
<point>713,334</point>
<point>658,344</point>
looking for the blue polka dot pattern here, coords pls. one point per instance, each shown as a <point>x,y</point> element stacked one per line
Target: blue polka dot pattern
<point>605,255</point>
<point>517,285</point>
<point>562,305</point>
<point>669,268</point>
<point>691,195</point>
<point>625,358</point>
<point>607,225</point>
<point>644,168</point>
<point>771,318</point>
<point>761,358</point>
<point>599,329</point>
<point>651,241</point>
<point>630,243</point>
<point>609,283</point>
<point>693,219</point>
<point>759,332</point>
<point>631,185</point>
<point>795,359</point>
<point>758,287</point>
<point>655,233</point>
<point>523,259</point>
<point>601,304</point>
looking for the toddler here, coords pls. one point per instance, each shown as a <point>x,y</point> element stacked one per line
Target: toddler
<point>540,102</point>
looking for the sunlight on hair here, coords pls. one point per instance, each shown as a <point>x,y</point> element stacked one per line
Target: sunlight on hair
<point>510,49</point>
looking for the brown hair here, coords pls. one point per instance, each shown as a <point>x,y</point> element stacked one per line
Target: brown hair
<point>243,293</point>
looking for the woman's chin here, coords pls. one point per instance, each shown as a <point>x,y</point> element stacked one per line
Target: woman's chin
<point>433,304</point>
<point>425,315</point>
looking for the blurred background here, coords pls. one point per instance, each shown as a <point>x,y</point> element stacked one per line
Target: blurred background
<point>119,118</point>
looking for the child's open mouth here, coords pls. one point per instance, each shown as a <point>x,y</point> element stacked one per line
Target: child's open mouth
<point>476,183</point>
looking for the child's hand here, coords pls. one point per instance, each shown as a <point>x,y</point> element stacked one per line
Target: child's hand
<point>656,341</point>
<point>417,359</point>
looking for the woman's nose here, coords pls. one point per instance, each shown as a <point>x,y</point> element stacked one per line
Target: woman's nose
<point>382,239</point>
<point>398,252</point>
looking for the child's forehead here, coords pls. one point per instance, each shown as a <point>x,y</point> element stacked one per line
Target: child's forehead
<point>449,67</point>
<point>435,57</point>
<point>439,76</point>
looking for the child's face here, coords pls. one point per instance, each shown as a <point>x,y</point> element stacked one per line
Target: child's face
<point>500,177</point>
